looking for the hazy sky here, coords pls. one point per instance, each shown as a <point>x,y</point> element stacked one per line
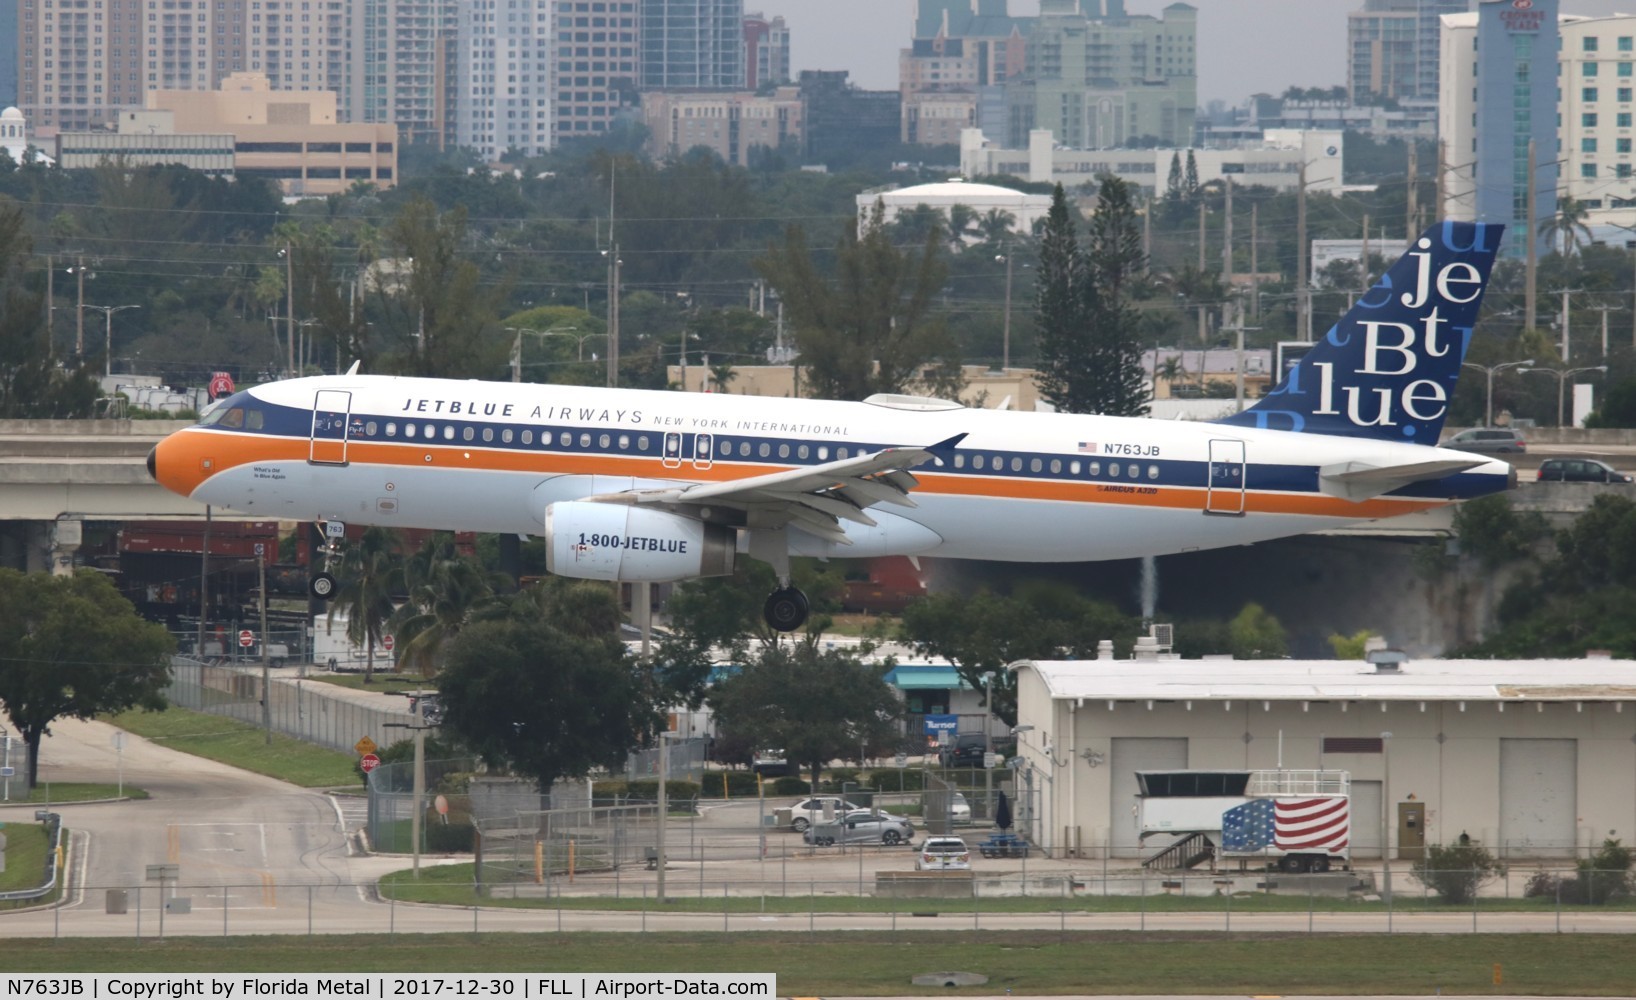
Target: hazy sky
<point>1245,46</point>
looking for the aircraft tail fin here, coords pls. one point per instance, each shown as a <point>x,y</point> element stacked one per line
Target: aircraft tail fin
<point>1388,369</point>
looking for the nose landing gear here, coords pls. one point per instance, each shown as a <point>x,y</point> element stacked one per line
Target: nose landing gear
<point>322,585</point>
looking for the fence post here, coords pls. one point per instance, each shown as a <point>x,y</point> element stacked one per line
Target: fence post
<point>1143,887</point>
<point>1228,895</point>
<point>226,889</point>
<point>1559,906</point>
<point>1309,906</point>
<point>724,907</point>
<point>309,911</point>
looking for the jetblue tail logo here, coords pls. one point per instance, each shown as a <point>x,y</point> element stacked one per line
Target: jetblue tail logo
<point>1388,368</point>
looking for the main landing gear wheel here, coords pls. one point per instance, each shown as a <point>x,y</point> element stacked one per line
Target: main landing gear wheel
<point>786,610</point>
<point>322,586</point>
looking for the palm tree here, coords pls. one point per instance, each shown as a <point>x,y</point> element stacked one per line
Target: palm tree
<point>995,225</point>
<point>447,591</point>
<point>369,574</point>
<point>1568,224</point>
<point>961,220</point>
<point>721,375</point>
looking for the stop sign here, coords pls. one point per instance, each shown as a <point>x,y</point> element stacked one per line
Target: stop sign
<point>247,638</point>
<point>387,641</point>
<point>369,762</point>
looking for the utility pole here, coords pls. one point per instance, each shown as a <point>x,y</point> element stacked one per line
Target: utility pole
<point>1530,295</point>
<point>1201,237</point>
<point>1303,303</point>
<point>1005,339</point>
<point>289,307</point>
<point>1363,258</point>
<point>204,587</point>
<point>50,296</point>
<point>1409,226</point>
<point>1227,235</point>
<point>1566,344</point>
<point>1442,180</point>
<point>1255,260</point>
<point>1238,361</point>
<point>266,675</point>
<point>1604,310</point>
<point>79,310</point>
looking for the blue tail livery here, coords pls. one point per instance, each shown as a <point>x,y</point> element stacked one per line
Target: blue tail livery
<point>1388,368</point>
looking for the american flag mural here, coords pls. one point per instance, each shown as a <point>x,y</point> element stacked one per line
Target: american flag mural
<point>1306,824</point>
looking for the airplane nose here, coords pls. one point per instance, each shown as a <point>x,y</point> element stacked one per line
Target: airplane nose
<point>153,471</point>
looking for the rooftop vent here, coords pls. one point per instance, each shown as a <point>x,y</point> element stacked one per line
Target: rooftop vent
<point>1388,661</point>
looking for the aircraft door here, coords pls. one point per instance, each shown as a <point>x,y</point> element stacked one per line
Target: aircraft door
<point>703,452</point>
<point>672,456</point>
<point>330,412</point>
<point>1226,488</point>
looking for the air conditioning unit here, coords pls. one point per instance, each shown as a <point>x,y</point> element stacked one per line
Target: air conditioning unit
<point>1164,636</point>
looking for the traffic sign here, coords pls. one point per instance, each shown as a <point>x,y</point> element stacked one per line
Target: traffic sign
<point>387,642</point>
<point>364,745</point>
<point>247,638</point>
<point>369,762</point>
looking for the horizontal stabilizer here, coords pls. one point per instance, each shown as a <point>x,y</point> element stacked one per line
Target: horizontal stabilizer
<point>1360,480</point>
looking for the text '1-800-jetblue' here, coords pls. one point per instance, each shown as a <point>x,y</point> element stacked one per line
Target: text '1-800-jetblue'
<point>636,485</point>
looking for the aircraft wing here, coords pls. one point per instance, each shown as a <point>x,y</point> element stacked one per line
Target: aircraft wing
<point>815,499</point>
<point>1360,480</point>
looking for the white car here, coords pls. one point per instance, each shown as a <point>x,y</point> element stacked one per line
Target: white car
<point>943,854</point>
<point>811,810</point>
<point>959,808</point>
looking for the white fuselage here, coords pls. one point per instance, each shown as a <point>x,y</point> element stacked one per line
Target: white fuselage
<point>1025,487</point>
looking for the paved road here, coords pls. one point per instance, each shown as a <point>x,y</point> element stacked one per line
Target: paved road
<point>260,856</point>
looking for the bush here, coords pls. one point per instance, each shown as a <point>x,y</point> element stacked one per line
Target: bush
<point>791,785</point>
<point>1601,878</point>
<point>1542,885</point>
<point>680,794</point>
<point>1455,871</point>
<point>738,784</point>
<point>895,779</point>
<point>450,838</point>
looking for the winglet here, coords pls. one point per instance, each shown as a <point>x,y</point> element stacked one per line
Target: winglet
<point>945,448</point>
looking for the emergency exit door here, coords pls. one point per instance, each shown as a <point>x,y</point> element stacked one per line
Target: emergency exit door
<point>1411,830</point>
<point>1226,484</point>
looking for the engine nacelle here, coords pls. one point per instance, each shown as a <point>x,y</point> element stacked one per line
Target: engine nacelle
<point>610,541</point>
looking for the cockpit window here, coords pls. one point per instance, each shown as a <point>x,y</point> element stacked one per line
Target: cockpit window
<point>232,419</point>
<point>253,420</point>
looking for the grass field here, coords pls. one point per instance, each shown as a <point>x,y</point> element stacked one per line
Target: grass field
<point>242,745</point>
<point>876,964</point>
<point>26,845</point>
<point>48,793</point>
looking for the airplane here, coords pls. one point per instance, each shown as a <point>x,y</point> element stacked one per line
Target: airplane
<point>635,485</point>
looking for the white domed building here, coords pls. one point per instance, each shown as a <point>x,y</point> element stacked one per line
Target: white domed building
<point>14,137</point>
<point>1025,209</point>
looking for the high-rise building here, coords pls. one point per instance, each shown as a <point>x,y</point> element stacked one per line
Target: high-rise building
<point>1498,95</point>
<point>595,70</point>
<point>1392,48</point>
<point>8,54</point>
<point>403,68</point>
<point>503,76</point>
<point>692,45</point>
<point>949,77</point>
<point>766,51</point>
<point>1102,81</point>
<point>732,125</point>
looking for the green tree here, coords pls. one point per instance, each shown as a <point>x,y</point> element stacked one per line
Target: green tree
<point>535,694</point>
<point>872,328</point>
<point>33,382</point>
<point>817,704</point>
<point>444,313</point>
<point>446,592</point>
<point>1351,647</point>
<point>1058,305</point>
<point>1190,186</point>
<point>1255,634</point>
<point>1115,262</point>
<point>984,632</point>
<point>369,574</point>
<point>72,646</point>
<point>1494,532</point>
<point>1618,406</point>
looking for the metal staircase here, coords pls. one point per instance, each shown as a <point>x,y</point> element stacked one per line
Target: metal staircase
<point>1185,853</point>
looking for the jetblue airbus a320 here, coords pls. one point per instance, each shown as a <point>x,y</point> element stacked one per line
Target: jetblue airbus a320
<point>659,486</point>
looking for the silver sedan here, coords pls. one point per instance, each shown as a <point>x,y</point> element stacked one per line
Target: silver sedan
<point>860,828</point>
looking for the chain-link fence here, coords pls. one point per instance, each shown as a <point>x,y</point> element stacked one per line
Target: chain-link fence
<point>308,710</point>
<point>13,768</point>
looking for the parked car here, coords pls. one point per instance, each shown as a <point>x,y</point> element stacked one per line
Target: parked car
<point>770,764</point>
<point>1493,440</point>
<point>959,808</point>
<point>811,810</point>
<point>966,751</point>
<point>943,854</point>
<point>863,827</point>
<point>1579,470</point>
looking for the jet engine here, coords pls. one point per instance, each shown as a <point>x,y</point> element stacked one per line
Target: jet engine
<point>609,541</point>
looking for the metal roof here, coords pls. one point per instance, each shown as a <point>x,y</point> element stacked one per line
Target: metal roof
<point>1336,680</point>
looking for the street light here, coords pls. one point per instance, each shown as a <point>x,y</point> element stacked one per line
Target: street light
<point>1562,376</point>
<point>1385,811</point>
<point>419,787</point>
<point>1005,342</point>
<point>556,331</point>
<point>108,315</point>
<point>664,811</point>
<point>1491,371</point>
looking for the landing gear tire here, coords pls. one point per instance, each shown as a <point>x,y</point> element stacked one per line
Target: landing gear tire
<point>322,586</point>
<point>786,610</point>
